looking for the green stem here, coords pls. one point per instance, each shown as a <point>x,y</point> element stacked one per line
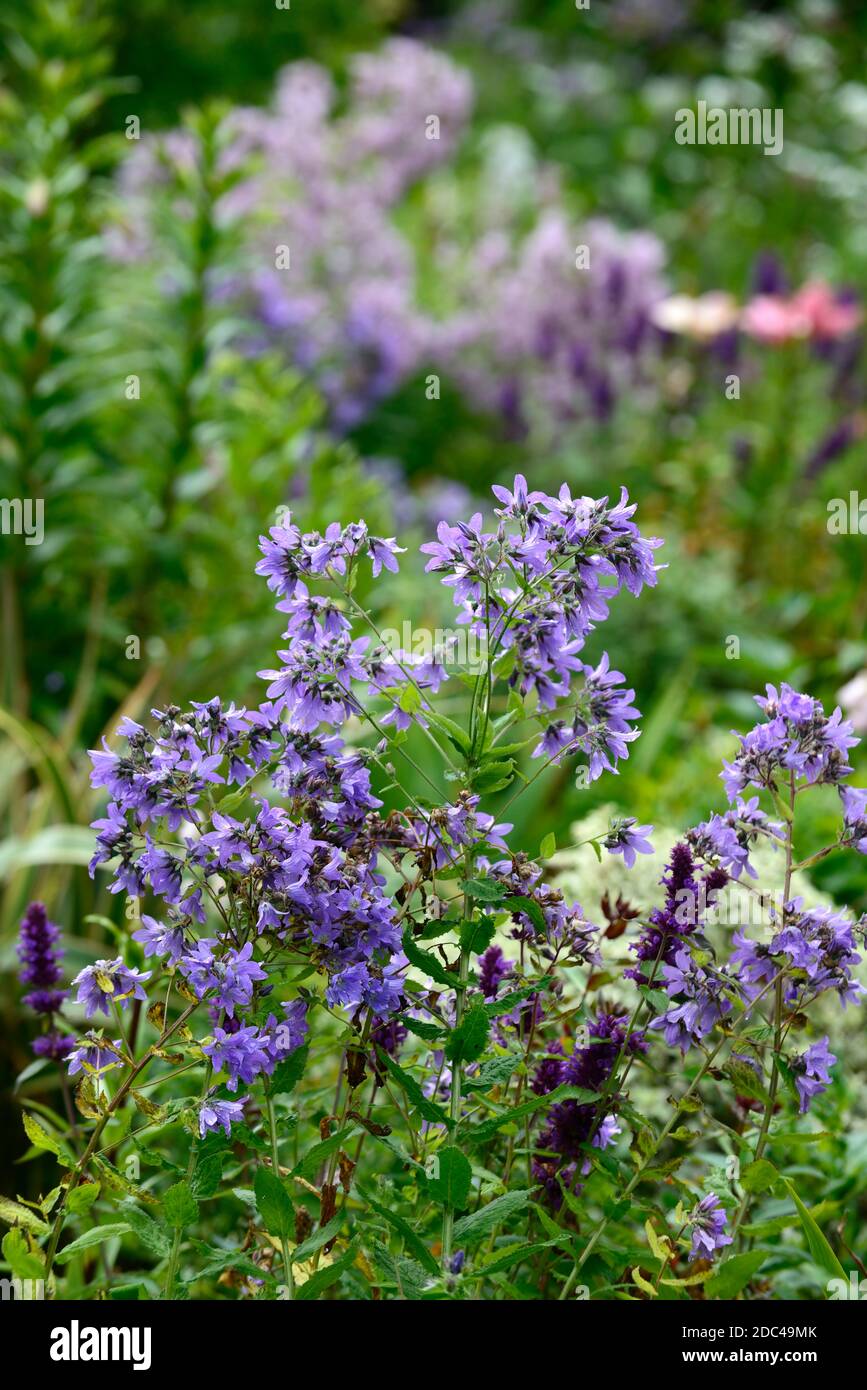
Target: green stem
<point>761,1142</point>
<point>119,1096</point>
<point>457,1075</point>
<point>275,1164</point>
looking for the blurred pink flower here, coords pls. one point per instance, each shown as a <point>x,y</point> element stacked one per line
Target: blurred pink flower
<point>814,312</point>
<point>772,319</point>
<point>829,316</point>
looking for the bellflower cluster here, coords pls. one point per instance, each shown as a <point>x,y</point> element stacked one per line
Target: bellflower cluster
<point>809,951</point>
<point>796,742</point>
<point>535,588</point>
<point>811,1071</point>
<point>109,982</point>
<point>702,1001</point>
<point>817,945</point>
<point>281,890</point>
<point>708,1227</point>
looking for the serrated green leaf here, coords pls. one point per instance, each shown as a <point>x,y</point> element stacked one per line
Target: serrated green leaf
<point>152,1236</point>
<point>428,1109</point>
<point>451,1177</point>
<point>274,1204</point>
<point>758,1176</point>
<point>289,1072</point>
<point>476,937</point>
<point>734,1274</point>
<point>180,1207</point>
<point>467,1042</point>
<point>96,1236</point>
<point>495,1072</point>
<point>473,1228</point>
<point>484,890</point>
<point>15,1215</point>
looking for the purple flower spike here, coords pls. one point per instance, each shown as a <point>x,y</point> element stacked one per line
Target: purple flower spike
<point>40,960</point>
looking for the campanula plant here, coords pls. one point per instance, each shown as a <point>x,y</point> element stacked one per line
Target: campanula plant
<point>389,1056</point>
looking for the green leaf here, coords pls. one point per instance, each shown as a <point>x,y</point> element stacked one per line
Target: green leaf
<point>24,1262</point>
<point>476,937</point>
<point>734,1274</point>
<point>207,1175</point>
<point>548,847</point>
<point>452,730</point>
<point>507,1002</point>
<point>513,1255</point>
<point>274,1204</point>
<point>233,801</point>
<point>315,1242</point>
<point>660,1245</point>
<point>412,1241</point>
<point>530,908</point>
<point>431,1032</point>
<point>745,1081</point>
<point>82,1198</point>
<point>817,1243</point>
<point>423,960</point>
<point>90,1238</point>
<point>410,699</point>
<point>15,1215</point>
<point>480,1134</point>
<point>485,890</point>
<point>406,1275</point>
<point>452,1175</point>
<point>495,1072</point>
<point>473,1228</point>
<point>315,1157</point>
<point>467,1042</point>
<point>289,1072</point>
<point>759,1176</point>
<point>426,1108</point>
<point>39,1136</point>
<point>180,1207</point>
<point>494,776</point>
<point>218,1260</point>
<point>152,1236</point>
<point>325,1277</point>
<point>643,1284</point>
